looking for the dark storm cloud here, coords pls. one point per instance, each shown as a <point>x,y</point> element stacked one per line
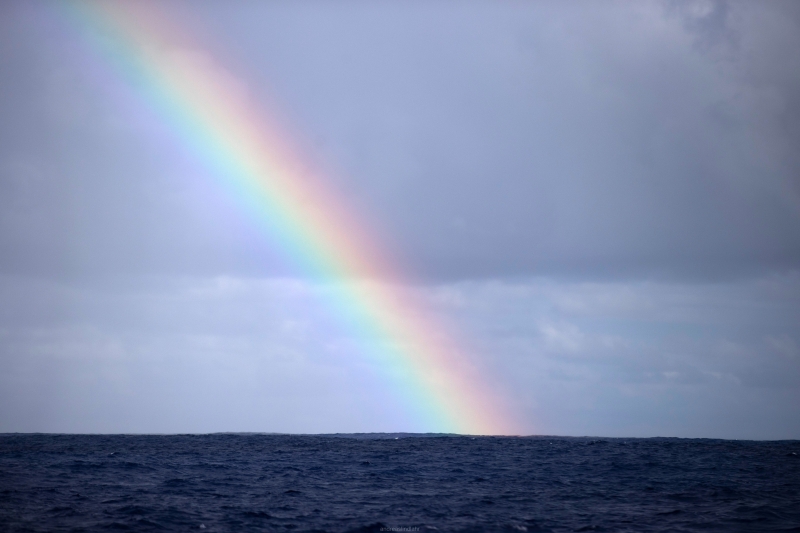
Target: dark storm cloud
<point>488,139</point>
<point>593,139</point>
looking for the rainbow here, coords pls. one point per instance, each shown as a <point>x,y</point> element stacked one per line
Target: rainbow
<point>206,110</point>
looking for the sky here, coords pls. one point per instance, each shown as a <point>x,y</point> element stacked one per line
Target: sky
<point>600,200</point>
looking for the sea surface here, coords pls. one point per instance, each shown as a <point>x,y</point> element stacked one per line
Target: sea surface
<point>258,482</point>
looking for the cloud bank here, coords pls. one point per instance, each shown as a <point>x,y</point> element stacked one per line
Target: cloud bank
<point>604,198</point>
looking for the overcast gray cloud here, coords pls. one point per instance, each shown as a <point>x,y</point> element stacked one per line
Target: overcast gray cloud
<point>605,194</point>
<point>596,138</point>
<point>493,139</point>
<point>232,354</point>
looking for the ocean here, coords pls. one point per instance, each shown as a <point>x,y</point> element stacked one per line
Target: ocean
<point>364,483</point>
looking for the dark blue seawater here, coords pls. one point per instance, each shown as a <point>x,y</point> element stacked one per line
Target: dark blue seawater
<point>253,482</point>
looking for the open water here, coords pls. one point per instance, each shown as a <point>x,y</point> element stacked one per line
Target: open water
<point>256,482</point>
